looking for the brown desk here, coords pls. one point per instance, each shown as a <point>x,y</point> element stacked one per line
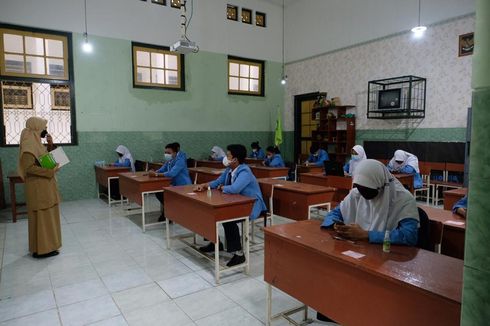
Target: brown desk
<point>451,197</point>
<point>294,200</point>
<point>14,179</point>
<point>135,185</point>
<point>204,174</point>
<point>254,161</point>
<point>103,177</point>
<point>342,184</point>
<point>301,168</point>
<point>268,172</point>
<point>209,164</point>
<point>447,227</point>
<point>406,180</point>
<point>408,286</point>
<point>203,215</point>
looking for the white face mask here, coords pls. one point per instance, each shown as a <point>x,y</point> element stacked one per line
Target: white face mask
<point>226,162</point>
<point>355,157</point>
<point>168,157</point>
<point>254,150</point>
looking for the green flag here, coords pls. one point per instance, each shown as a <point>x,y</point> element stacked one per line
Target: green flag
<point>278,135</point>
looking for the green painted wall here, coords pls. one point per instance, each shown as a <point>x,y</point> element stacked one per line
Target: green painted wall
<point>418,134</point>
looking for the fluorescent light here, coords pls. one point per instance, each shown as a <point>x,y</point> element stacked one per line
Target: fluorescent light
<point>87,47</point>
<point>418,31</point>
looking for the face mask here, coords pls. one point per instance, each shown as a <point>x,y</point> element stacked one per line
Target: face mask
<point>316,154</point>
<point>269,156</point>
<point>355,157</point>
<point>254,150</point>
<point>367,193</point>
<point>44,133</point>
<point>226,162</point>
<point>168,157</point>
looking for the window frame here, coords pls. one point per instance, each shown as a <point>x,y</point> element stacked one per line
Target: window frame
<point>248,61</point>
<point>264,17</point>
<point>163,49</point>
<point>70,81</point>
<point>250,11</point>
<point>172,5</point>
<point>230,6</point>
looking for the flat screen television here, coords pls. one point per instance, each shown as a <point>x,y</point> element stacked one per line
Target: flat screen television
<point>389,99</point>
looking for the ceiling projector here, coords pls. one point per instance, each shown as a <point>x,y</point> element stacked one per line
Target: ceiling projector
<point>184,47</point>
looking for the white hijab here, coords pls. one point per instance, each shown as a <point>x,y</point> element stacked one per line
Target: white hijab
<point>126,154</point>
<point>393,203</point>
<point>407,158</point>
<point>217,152</point>
<point>354,163</point>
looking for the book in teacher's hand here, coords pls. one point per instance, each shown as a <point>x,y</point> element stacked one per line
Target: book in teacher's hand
<point>57,156</point>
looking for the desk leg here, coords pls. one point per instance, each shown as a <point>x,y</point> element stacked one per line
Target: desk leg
<point>13,200</point>
<point>216,255</point>
<point>167,231</point>
<point>247,245</point>
<point>143,224</point>
<point>109,191</point>
<point>268,317</point>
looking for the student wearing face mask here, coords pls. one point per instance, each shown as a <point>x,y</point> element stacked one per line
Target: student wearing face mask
<point>357,156</point>
<point>461,207</point>
<point>236,179</point>
<point>257,151</point>
<point>273,158</point>
<point>317,156</point>
<point>405,162</point>
<point>175,167</point>
<point>125,158</point>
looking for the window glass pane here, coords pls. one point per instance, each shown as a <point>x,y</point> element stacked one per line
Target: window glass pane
<point>234,69</point>
<point>254,72</point>
<point>233,83</point>
<point>244,70</point>
<point>142,58</point>
<point>254,85</point>
<point>157,76</point>
<point>14,63</point>
<point>157,60</point>
<point>34,45</point>
<point>35,65</point>
<point>143,75</point>
<point>54,48</point>
<point>244,84</point>
<point>171,77</point>
<point>171,61</point>
<point>56,67</point>
<point>13,43</point>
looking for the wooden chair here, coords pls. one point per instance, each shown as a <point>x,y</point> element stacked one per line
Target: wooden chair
<point>449,167</point>
<point>140,166</point>
<point>426,185</point>
<point>435,166</point>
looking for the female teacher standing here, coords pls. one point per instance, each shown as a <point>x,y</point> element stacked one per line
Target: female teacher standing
<point>41,191</point>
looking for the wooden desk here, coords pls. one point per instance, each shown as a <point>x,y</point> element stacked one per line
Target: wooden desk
<point>451,197</point>
<point>268,172</point>
<point>103,177</point>
<point>294,200</point>
<point>301,168</point>
<point>449,228</point>
<point>134,186</point>
<point>203,215</point>
<point>204,174</point>
<point>254,161</point>
<point>209,164</point>
<point>342,184</point>
<point>406,180</point>
<point>14,179</point>
<point>408,286</point>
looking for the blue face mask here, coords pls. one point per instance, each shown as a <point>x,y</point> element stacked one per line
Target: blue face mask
<point>168,157</point>
<point>355,157</point>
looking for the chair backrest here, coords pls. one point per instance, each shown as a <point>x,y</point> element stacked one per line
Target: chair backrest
<point>140,166</point>
<point>424,231</point>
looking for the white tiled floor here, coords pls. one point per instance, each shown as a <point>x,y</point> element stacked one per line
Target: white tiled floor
<point>111,273</point>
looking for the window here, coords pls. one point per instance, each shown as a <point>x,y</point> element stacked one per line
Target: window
<point>175,3</point>
<point>245,76</point>
<point>246,16</point>
<point>260,19</point>
<point>36,79</point>
<point>232,12</point>
<point>156,66</point>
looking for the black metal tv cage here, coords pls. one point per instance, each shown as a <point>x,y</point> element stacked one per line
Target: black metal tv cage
<point>408,104</point>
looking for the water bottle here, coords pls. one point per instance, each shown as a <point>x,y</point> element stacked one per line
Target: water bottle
<point>386,242</point>
<point>209,193</point>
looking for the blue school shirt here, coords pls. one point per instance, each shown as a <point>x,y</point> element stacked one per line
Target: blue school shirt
<point>260,154</point>
<point>125,164</point>
<point>242,183</point>
<point>408,169</point>
<point>462,203</point>
<point>177,170</point>
<point>275,162</point>
<point>318,160</point>
<point>406,233</point>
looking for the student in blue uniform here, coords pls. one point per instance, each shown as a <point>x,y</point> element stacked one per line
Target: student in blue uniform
<point>405,162</point>
<point>274,158</point>
<point>175,167</point>
<point>125,158</point>
<point>236,179</point>
<point>257,151</point>
<point>317,156</point>
<point>461,206</point>
<point>357,156</point>
<point>217,154</point>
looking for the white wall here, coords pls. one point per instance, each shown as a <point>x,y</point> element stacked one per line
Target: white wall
<point>318,26</point>
<point>151,23</point>
<point>346,74</point>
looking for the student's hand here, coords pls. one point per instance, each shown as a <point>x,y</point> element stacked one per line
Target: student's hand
<point>201,187</point>
<point>57,168</point>
<point>152,173</point>
<point>306,163</point>
<point>49,139</point>
<point>351,231</point>
<point>220,187</point>
<point>461,212</point>
<point>263,163</point>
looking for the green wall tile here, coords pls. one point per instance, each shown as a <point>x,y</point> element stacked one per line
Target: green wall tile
<point>476,298</point>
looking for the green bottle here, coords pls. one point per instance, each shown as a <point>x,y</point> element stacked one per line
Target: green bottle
<point>386,242</point>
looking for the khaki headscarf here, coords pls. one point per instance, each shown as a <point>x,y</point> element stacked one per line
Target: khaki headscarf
<point>30,140</point>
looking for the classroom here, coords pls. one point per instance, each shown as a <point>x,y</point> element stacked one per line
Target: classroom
<point>244,162</point>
